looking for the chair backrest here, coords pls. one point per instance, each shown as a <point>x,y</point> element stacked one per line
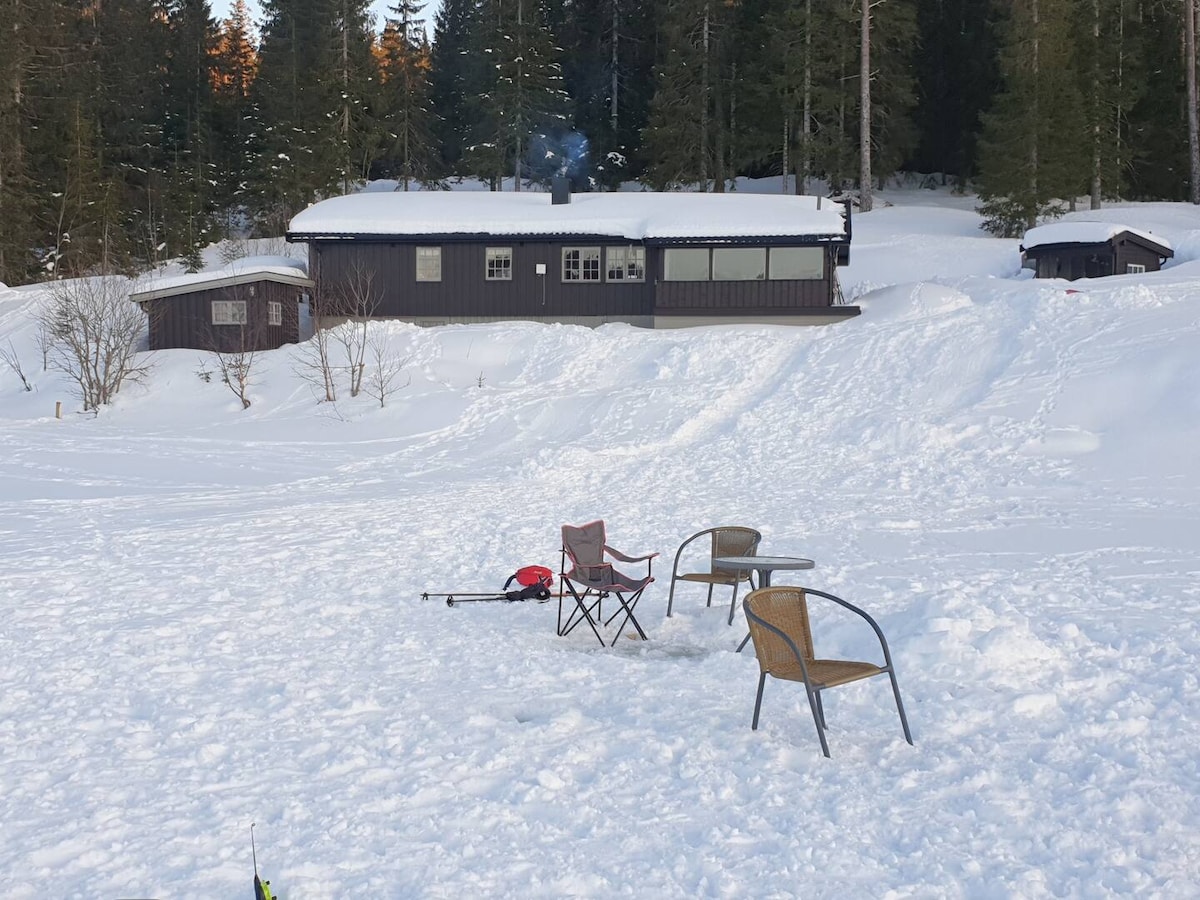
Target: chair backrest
<point>734,540</point>
<point>787,609</point>
<point>584,544</point>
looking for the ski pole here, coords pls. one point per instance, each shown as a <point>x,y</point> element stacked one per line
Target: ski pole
<point>262,889</point>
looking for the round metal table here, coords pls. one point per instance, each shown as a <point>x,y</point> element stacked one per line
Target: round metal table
<point>764,566</point>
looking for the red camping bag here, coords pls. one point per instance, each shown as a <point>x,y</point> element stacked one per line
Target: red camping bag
<point>528,576</point>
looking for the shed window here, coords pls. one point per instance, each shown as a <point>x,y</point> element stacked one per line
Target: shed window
<point>797,263</point>
<point>499,263</point>
<point>581,264</point>
<point>1134,268</point>
<point>274,313</point>
<point>680,264</point>
<point>739,263</point>
<point>626,264</point>
<point>229,312</point>
<point>429,264</point>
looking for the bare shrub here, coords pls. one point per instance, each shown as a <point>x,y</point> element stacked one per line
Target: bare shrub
<point>340,346</point>
<point>383,378</point>
<point>235,351</point>
<point>94,330</point>
<point>9,358</point>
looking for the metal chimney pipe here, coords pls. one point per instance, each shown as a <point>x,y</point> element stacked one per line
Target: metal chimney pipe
<point>560,190</point>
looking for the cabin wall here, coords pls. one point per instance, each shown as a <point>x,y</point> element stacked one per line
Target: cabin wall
<point>185,320</point>
<point>386,273</point>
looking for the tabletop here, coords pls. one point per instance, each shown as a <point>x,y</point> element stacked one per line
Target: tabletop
<point>763,562</point>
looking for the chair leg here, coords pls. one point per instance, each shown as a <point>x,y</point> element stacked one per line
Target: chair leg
<point>900,707</point>
<point>671,597</point>
<point>709,603</point>
<point>762,680</point>
<point>733,602</point>
<point>814,702</point>
<point>821,709</point>
<point>629,617</point>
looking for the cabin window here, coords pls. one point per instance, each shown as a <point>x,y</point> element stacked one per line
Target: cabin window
<point>1134,268</point>
<point>499,263</point>
<point>797,263</point>
<point>739,263</point>
<point>626,264</point>
<point>429,264</point>
<point>274,313</point>
<point>229,312</point>
<point>581,264</point>
<point>685,264</point>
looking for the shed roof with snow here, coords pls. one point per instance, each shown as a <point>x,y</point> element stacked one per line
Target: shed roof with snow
<point>1091,233</point>
<point>251,269</point>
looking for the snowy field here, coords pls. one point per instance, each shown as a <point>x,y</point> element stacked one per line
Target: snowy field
<point>211,617</point>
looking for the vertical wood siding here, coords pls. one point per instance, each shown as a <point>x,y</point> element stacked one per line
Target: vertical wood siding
<point>464,291</point>
<point>185,320</point>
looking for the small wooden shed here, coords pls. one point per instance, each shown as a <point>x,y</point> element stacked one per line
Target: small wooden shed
<point>251,304</point>
<point>645,258</point>
<point>1074,250</point>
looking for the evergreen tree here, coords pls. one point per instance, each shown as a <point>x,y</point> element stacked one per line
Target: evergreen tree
<point>1157,121</point>
<point>679,138</point>
<point>956,76</point>
<point>411,155</point>
<point>525,104</point>
<point>312,100</point>
<point>17,200</point>
<point>457,80</point>
<point>188,129</point>
<point>1033,138</point>
<point>235,64</point>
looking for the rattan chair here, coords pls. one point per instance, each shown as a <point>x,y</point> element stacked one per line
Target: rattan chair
<point>587,580</point>
<point>727,540</point>
<point>782,635</point>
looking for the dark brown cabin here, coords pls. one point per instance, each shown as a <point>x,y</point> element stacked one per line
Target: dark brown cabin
<point>649,259</point>
<point>252,305</point>
<point>1073,250</point>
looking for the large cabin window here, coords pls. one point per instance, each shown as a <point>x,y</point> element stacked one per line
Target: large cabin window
<point>429,264</point>
<point>1134,268</point>
<point>581,264</point>
<point>685,264</point>
<point>229,312</point>
<point>739,263</point>
<point>499,264</point>
<point>626,264</point>
<point>797,263</point>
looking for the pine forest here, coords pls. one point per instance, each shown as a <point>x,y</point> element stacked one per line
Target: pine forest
<point>137,131</point>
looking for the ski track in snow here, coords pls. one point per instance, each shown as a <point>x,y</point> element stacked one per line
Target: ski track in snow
<point>211,618</point>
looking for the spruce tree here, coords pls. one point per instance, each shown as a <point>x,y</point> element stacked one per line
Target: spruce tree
<point>525,110</point>
<point>235,64</point>
<point>1033,151</point>
<point>411,155</point>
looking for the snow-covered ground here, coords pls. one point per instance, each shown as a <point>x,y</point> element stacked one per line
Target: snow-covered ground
<point>211,617</point>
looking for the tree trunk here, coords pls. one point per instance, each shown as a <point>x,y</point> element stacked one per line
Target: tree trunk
<point>864,120</point>
<point>1095,108</point>
<point>614,106</point>
<point>704,99</point>
<point>1189,66</point>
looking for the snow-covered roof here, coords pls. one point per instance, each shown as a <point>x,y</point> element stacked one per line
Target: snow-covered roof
<point>1085,233</point>
<point>635,216</point>
<point>283,269</point>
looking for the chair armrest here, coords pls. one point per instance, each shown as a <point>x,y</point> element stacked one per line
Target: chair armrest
<point>887,655</point>
<point>617,554</point>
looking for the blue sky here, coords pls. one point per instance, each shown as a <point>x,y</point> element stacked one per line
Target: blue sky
<point>221,9</point>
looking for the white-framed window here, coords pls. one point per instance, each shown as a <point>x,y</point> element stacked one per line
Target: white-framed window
<point>581,264</point>
<point>797,263</point>
<point>499,264</point>
<point>1134,268</point>
<point>274,312</point>
<point>626,264</point>
<point>685,264</point>
<point>429,264</point>
<point>229,312</point>
<point>739,263</point>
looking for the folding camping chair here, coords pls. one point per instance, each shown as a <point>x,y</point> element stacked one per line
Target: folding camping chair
<point>590,579</point>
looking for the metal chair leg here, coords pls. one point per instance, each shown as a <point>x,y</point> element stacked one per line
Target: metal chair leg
<point>900,707</point>
<point>709,603</point>
<point>821,709</point>
<point>814,702</point>
<point>733,602</point>
<point>762,680</point>
<point>671,597</point>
